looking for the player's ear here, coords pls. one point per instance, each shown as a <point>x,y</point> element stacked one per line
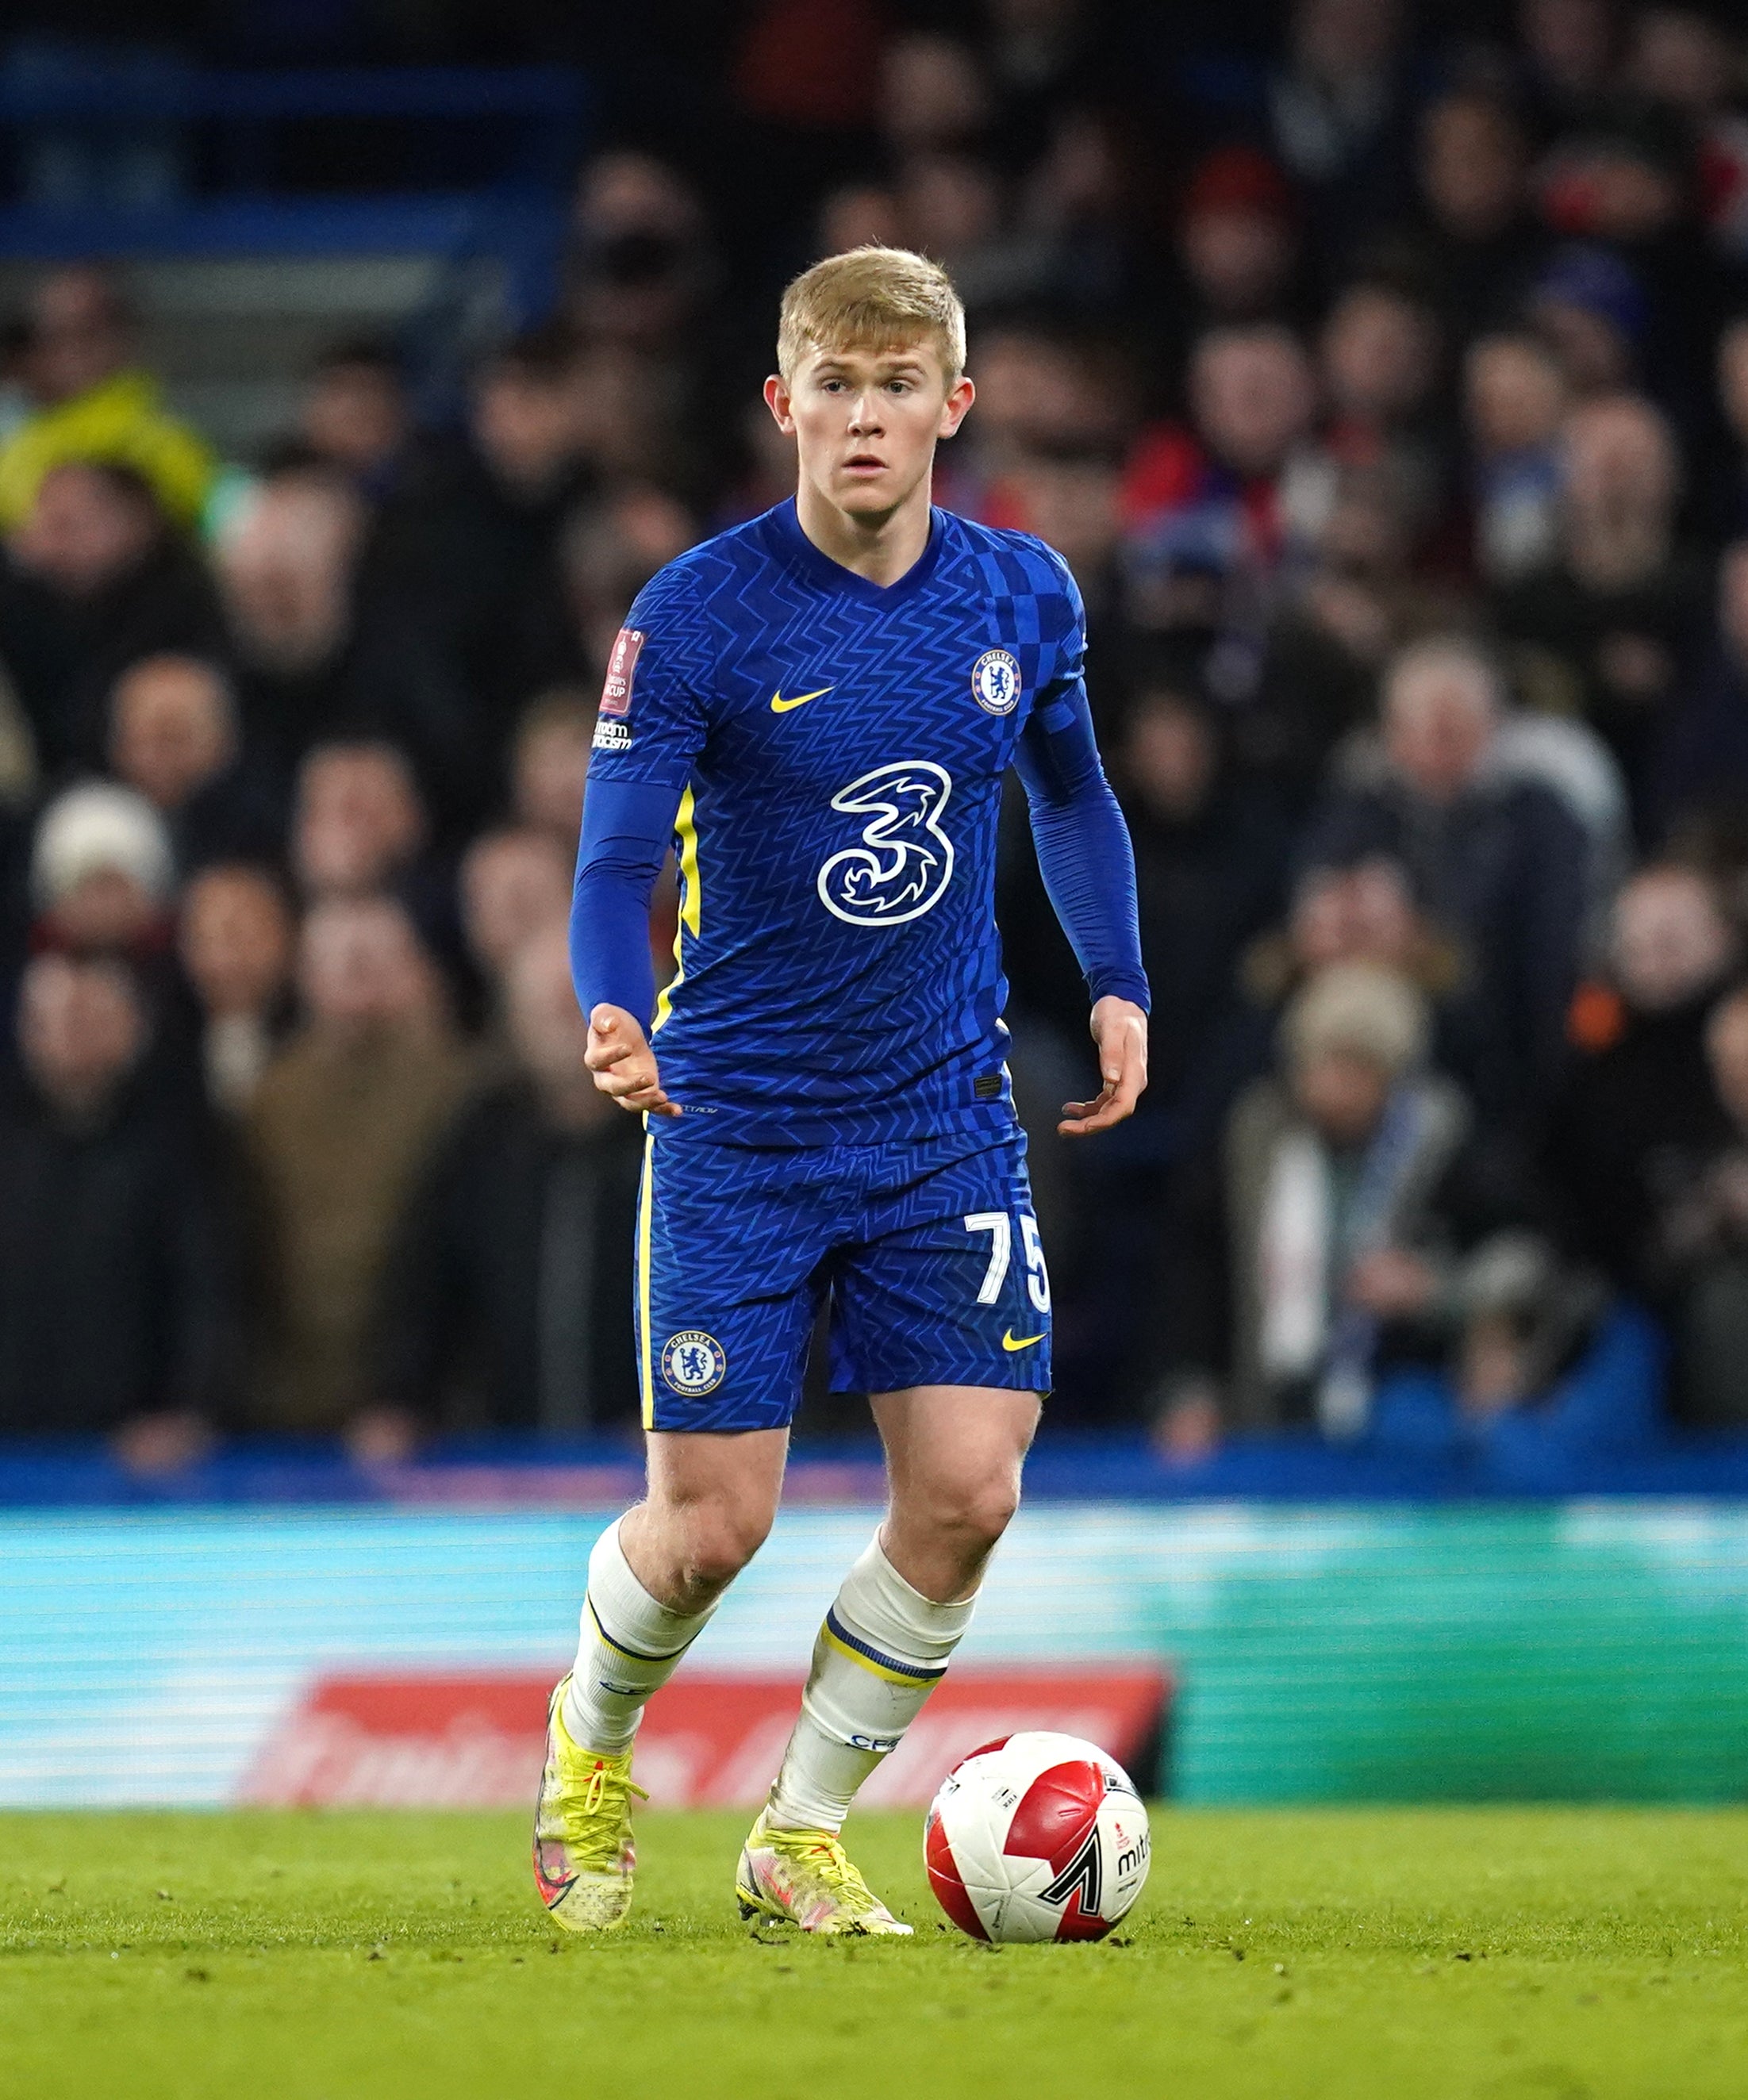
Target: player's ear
<point>959,397</point>
<point>777,399</point>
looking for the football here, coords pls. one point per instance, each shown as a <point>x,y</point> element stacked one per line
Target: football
<point>1036,1836</point>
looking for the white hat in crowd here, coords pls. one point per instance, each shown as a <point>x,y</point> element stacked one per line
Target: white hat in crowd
<point>96,829</point>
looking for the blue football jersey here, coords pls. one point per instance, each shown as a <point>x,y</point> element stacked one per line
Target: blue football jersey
<point>840,747</point>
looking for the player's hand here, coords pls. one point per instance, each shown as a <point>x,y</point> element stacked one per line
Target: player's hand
<point>624,1065</point>
<point>1119,1028</point>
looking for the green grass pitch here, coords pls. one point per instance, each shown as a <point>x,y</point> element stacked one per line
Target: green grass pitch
<point>1503,1954</point>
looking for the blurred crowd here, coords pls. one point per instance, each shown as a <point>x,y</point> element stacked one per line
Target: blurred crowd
<point>1393,418</point>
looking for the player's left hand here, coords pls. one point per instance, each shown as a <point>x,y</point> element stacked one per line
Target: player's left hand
<point>1119,1028</point>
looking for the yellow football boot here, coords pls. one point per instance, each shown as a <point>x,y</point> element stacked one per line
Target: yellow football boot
<point>583,1852</point>
<point>804,1878</point>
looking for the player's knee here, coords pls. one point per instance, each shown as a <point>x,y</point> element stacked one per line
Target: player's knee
<point>974,1513</point>
<point>719,1540</point>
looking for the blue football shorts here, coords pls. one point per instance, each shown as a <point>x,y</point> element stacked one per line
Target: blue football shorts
<point>928,1250</point>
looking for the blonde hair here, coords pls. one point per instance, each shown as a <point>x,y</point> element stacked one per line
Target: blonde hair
<point>872,297</point>
<point>1358,1010</point>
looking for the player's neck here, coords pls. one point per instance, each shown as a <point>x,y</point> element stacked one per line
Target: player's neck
<point>880,549</point>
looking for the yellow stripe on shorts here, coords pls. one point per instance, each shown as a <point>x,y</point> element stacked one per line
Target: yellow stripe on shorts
<point>646,1203</point>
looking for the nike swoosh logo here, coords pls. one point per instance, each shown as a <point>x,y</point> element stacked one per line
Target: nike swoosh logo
<point>780,706</point>
<point>1024,1341</point>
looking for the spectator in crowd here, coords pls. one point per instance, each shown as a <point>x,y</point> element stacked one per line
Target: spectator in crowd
<point>461,581</point>
<point>1730,470</point>
<point>324,647</point>
<point>285,559</point>
<point>1078,241</point>
<point>1604,630</point>
<point>1211,868</point>
<point>174,738</point>
<point>1620,182</point>
<point>950,205</point>
<point>1239,243</point>
<point>1476,244</point>
<point>515,883</point>
<point>1568,54</point>
<point>95,578</point>
<point>1496,861</point>
<point>1545,1372</point>
<point>1699,1244</point>
<point>1590,308</point>
<point>549,763</point>
<point>933,95</point>
<point>1356,596</point>
<point>18,754</point>
<point>640,264</point>
<point>103,874</point>
<point>1209,509</point>
<point>608,551</point>
<point>1337,108</point>
<point>1070,498</point>
<point>1381,355</point>
<point>1362,913</point>
<point>1516,400</point>
<point>338,1127</point>
<point>505,1303</point>
<point>1049,403</point>
<point>1328,1228</point>
<point>1684,60</point>
<point>91,402</point>
<point>1638,1105</point>
<point>234,943</point>
<point>357,825</point>
<point>118,1309</point>
<point>355,417</point>
<point>1702,757</point>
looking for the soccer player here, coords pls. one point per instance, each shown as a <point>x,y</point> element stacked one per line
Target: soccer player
<point>819,709</point>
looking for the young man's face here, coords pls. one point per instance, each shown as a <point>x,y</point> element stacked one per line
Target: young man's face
<point>866,422</point>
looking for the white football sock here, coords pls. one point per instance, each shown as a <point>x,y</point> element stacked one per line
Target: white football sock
<point>882,1650</point>
<point>630,1647</point>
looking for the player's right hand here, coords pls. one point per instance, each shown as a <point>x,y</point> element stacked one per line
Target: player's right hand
<point>623,1063</point>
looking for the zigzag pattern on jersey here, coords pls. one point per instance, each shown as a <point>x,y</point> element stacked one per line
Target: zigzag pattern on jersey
<point>868,1028</point>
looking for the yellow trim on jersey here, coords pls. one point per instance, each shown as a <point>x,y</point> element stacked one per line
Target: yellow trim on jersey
<point>646,1203</point>
<point>913,1679</point>
<point>691,903</point>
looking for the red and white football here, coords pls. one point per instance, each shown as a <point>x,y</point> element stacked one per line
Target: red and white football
<point>1036,1836</point>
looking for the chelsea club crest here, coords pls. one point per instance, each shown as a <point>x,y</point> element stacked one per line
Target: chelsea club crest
<point>694,1363</point>
<point>996,682</point>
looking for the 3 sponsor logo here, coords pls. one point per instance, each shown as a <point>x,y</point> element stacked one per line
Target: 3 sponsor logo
<point>905,861</point>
